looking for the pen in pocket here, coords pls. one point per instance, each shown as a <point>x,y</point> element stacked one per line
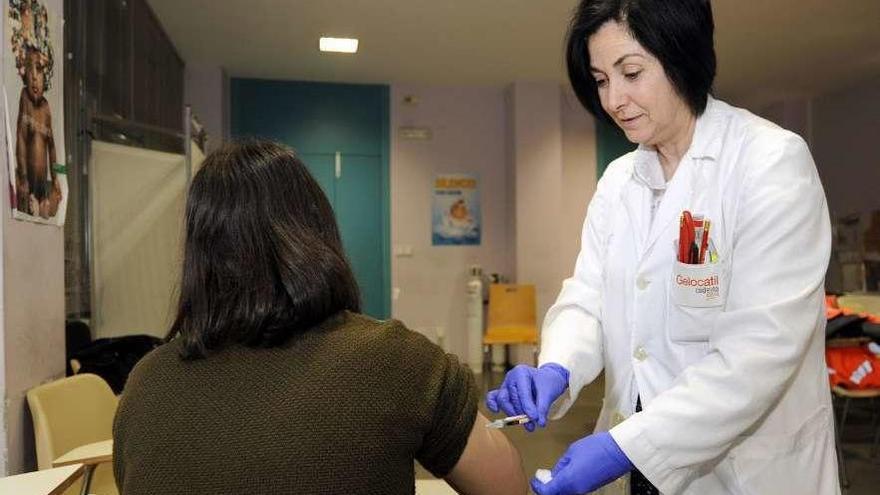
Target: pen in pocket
<point>704,242</point>
<point>686,237</point>
<point>713,253</point>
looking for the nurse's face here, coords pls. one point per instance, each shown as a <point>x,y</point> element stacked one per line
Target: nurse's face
<point>633,87</point>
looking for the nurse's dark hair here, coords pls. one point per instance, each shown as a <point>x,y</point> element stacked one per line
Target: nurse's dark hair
<point>262,257</point>
<point>680,33</point>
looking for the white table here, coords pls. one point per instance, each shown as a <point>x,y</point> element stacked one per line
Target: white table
<point>89,456</point>
<point>434,487</point>
<point>46,482</point>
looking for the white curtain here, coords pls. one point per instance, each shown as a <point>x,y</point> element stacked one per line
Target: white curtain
<point>137,228</point>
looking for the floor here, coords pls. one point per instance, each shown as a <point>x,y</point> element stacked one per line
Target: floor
<point>542,448</point>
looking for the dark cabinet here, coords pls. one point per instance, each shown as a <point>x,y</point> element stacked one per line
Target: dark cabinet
<point>107,57</point>
<point>131,69</point>
<point>157,71</point>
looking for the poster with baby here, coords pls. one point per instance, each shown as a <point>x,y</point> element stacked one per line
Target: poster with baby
<point>34,100</point>
<point>456,211</point>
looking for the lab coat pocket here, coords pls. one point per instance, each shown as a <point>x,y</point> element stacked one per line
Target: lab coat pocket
<point>789,463</point>
<point>696,297</point>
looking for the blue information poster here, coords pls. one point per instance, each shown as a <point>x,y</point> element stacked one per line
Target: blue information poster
<point>455,216</point>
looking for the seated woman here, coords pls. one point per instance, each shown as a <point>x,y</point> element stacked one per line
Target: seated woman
<point>271,381</point>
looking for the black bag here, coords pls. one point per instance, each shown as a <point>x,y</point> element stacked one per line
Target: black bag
<point>113,358</point>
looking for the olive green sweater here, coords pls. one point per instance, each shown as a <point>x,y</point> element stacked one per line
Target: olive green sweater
<point>343,408</point>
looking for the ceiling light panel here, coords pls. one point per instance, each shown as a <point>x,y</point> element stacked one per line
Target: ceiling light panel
<point>338,45</point>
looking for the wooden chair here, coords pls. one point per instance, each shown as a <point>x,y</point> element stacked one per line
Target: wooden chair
<point>512,319</point>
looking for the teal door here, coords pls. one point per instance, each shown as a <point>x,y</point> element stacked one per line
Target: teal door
<point>341,132</point>
<point>322,168</point>
<point>611,143</point>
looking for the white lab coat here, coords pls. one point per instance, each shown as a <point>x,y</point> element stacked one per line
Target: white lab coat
<point>735,396</point>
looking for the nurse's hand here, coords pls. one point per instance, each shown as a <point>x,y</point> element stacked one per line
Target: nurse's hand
<point>589,464</point>
<point>528,390</point>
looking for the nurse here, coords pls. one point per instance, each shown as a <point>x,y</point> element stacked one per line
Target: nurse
<point>715,381</point>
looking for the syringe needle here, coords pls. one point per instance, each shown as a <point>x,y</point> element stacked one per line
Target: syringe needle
<point>509,421</point>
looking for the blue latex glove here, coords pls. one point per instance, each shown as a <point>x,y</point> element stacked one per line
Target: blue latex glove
<point>529,390</point>
<point>589,464</point>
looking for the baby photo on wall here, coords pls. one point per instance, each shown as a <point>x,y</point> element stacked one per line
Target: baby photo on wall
<point>455,215</point>
<point>33,93</point>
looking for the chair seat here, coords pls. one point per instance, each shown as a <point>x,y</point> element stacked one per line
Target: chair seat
<point>511,335</point>
<point>856,394</point>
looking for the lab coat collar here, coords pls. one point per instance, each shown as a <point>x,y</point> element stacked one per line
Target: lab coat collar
<point>708,132</point>
<point>674,201</point>
<point>647,170</point>
<point>706,144</point>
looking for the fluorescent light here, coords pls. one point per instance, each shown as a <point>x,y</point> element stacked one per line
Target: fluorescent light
<point>341,45</point>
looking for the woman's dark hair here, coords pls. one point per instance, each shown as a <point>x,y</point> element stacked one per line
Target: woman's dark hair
<point>680,33</point>
<point>262,257</point>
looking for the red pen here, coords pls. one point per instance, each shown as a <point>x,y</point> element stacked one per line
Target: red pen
<point>691,234</point>
<point>686,237</point>
<point>684,247</point>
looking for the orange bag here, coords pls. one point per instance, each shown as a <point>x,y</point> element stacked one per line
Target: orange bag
<point>855,368</point>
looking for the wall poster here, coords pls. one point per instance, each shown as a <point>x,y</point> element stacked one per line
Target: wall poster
<point>33,95</point>
<point>456,211</point>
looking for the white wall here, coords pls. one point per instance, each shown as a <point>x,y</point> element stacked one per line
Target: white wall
<point>533,148</point>
<point>578,177</point>
<point>536,114</point>
<point>793,113</point>
<point>4,449</point>
<point>33,318</point>
<point>206,90</point>
<point>32,331</point>
<point>846,128</point>
<point>554,168</point>
<point>468,136</point>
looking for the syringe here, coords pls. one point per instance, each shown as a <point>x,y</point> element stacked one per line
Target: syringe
<point>509,421</point>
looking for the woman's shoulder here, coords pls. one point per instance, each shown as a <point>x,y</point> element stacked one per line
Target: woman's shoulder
<point>619,169</point>
<point>167,351</point>
<point>391,341</point>
<point>616,174</point>
<point>757,133</point>
<point>755,145</point>
<point>160,358</point>
<point>390,332</point>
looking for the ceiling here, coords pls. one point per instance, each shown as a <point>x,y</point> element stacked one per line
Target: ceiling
<point>766,48</point>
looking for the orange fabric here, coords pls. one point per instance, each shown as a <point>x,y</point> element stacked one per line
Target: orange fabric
<point>831,309</point>
<point>853,367</point>
<point>832,313</point>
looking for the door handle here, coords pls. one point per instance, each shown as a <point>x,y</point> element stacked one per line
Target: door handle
<point>338,165</point>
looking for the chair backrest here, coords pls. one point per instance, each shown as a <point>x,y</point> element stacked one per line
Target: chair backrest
<point>70,412</point>
<point>512,312</point>
<point>862,303</point>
